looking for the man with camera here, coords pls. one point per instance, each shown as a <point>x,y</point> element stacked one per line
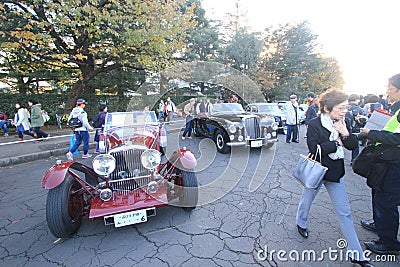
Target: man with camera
<point>356,117</point>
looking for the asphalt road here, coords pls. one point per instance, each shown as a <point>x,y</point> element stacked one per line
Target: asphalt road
<point>248,202</point>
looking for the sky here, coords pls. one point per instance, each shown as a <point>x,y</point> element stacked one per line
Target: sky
<point>363,35</point>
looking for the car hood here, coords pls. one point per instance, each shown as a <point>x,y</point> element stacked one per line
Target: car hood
<point>233,117</point>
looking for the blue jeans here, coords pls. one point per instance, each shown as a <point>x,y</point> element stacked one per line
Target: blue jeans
<point>292,133</point>
<point>338,195</point>
<point>161,115</point>
<point>39,132</point>
<point>27,132</point>
<point>188,129</point>
<point>81,136</point>
<point>3,125</point>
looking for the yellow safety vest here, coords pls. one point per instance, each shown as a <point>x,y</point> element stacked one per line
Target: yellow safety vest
<point>393,125</point>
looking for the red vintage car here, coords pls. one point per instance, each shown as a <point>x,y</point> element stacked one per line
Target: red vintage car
<point>126,183</point>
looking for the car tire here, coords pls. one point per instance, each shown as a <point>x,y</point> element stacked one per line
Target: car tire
<point>61,202</point>
<point>220,140</point>
<point>268,146</point>
<point>188,200</point>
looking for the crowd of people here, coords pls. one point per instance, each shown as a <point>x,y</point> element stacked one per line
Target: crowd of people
<point>336,122</point>
<point>27,122</point>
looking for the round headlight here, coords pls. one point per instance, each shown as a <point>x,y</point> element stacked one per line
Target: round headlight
<point>275,126</point>
<point>151,158</point>
<point>104,164</point>
<point>232,128</point>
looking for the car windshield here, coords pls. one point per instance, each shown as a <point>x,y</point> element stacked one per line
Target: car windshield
<point>269,108</point>
<point>227,108</point>
<point>134,118</point>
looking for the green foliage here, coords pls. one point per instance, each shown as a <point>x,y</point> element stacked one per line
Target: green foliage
<point>243,52</point>
<point>93,37</point>
<point>202,40</point>
<point>291,64</point>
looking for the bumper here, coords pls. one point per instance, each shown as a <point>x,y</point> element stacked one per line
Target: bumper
<point>124,202</point>
<point>254,143</point>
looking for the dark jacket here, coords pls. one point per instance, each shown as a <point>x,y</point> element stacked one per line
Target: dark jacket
<point>311,113</point>
<point>390,141</point>
<point>317,134</point>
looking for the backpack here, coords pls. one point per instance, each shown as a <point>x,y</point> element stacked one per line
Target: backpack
<point>96,121</point>
<point>44,115</point>
<point>75,122</point>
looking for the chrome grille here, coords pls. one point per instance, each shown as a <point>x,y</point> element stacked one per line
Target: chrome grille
<point>252,126</point>
<point>129,184</point>
<point>127,161</point>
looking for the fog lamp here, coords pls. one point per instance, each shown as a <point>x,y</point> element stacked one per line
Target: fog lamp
<point>105,194</point>
<point>152,187</point>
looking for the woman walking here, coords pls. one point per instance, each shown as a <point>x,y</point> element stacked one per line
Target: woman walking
<point>36,118</point>
<point>332,134</point>
<point>21,121</point>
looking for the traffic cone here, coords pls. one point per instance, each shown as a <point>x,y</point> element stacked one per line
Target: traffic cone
<point>72,143</point>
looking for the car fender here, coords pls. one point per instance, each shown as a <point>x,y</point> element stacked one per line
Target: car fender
<point>55,175</point>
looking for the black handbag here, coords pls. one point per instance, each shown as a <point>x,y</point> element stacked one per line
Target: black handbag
<point>308,171</point>
<point>369,164</point>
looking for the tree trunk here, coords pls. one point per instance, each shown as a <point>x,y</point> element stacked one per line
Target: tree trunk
<point>74,94</point>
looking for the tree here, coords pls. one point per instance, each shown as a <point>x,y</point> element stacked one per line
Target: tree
<point>20,66</point>
<point>202,40</point>
<point>243,52</point>
<point>89,37</point>
<point>291,63</point>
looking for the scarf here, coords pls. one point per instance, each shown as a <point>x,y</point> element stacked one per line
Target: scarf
<point>327,123</point>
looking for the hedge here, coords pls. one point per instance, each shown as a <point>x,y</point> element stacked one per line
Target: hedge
<point>54,103</point>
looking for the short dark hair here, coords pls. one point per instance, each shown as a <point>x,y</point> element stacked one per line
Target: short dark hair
<point>354,97</point>
<point>33,101</point>
<point>310,94</point>
<point>102,107</point>
<point>395,81</point>
<point>331,98</point>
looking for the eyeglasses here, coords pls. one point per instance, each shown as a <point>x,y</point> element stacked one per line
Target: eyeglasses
<point>343,107</point>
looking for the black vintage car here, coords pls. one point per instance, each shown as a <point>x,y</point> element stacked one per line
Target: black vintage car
<point>229,125</point>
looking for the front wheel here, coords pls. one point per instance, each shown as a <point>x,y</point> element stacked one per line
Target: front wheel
<point>64,208</point>
<point>268,146</point>
<point>220,140</point>
<point>188,200</point>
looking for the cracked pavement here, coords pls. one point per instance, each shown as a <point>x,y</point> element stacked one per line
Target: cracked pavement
<point>248,204</point>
